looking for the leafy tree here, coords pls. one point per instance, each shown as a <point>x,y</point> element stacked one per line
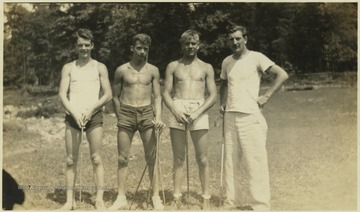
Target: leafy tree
<point>166,34</point>
<point>212,21</point>
<point>301,37</point>
<point>340,49</point>
<point>18,43</point>
<point>123,23</point>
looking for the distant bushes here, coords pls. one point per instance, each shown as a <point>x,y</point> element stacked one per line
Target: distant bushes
<point>41,111</point>
<point>13,126</point>
<point>324,78</point>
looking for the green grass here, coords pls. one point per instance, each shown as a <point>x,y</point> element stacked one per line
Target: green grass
<point>311,148</point>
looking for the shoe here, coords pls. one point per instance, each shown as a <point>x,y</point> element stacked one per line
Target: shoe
<point>119,203</point>
<point>206,204</point>
<point>157,203</point>
<point>99,205</point>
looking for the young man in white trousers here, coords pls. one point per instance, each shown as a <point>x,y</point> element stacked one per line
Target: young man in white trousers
<point>244,125</point>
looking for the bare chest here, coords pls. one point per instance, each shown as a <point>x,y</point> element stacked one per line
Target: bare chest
<point>141,78</point>
<point>190,73</point>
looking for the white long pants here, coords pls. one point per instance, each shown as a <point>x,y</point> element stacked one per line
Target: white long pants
<point>245,139</point>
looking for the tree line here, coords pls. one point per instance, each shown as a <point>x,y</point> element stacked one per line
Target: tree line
<point>300,37</point>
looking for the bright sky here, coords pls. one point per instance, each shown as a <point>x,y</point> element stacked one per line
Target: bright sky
<point>28,6</point>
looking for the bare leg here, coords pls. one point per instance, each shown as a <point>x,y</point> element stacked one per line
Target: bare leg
<point>201,144</point>
<point>149,143</point>
<point>124,143</point>
<point>178,147</point>
<point>95,136</point>
<point>72,143</point>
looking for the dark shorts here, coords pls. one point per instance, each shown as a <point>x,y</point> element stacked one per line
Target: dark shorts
<point>96,120</point>
<point>135,118</point>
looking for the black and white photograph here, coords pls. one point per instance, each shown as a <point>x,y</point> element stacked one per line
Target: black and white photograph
<point>160,105</point>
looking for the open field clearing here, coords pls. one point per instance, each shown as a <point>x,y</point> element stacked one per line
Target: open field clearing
<point>312,148</point>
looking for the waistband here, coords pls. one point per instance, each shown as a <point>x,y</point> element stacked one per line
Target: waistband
<point>135,107</point>
<point>189,100</point>
<point>241,114</point>
<point>96,112</point>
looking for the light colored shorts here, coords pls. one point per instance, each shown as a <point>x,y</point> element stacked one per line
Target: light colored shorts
<point>201,123</point>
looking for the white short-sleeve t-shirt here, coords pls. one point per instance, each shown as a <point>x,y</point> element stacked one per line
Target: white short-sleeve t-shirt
<point>243,76</point>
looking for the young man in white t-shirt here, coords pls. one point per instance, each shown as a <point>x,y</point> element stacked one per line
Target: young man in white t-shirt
<point>82,80</point>
<point>244,125</point>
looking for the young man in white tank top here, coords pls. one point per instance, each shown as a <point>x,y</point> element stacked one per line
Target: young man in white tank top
<point>82,79</point>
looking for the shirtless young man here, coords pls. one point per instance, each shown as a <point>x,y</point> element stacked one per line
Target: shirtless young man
<point>135,84</point>
<point>83,79</point>
<point>189,79</point>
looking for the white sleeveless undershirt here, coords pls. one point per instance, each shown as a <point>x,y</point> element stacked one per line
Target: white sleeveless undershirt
<point>84,86</point>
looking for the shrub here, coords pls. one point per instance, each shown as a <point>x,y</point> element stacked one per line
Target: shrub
<point>47,110</point>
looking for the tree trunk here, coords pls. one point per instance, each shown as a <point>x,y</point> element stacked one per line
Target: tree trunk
<point>24,66</point>
<point>12,59</point>
<point>52,80</point>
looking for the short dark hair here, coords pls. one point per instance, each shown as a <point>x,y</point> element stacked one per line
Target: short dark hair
<point>235,28</point>
<point>190,34</point>
<point>85,34</point>
<point>142,38</point>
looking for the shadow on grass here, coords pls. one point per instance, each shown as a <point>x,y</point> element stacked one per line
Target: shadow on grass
<point>110,196</point>
<point>140,200</point>
<point>192,202</point>
<point>59,196</point>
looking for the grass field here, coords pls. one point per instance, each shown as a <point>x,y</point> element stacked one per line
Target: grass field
<point>312,150</point>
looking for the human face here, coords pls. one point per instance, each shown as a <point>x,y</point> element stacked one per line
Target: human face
<point>190,46</point>
<point>84,47</point>
<point>237,42</point>
<point>140,50</point>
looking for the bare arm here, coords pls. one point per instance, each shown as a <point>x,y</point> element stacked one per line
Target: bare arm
<point>223,87</point>
<point>117,91</point>
<point>168,87</point>
<point>223,92</point>
<point>281,77</point>
<point>157,99</point>
<point>223,95</point>
<point>211,100</point>
<point>63,90</point>
<point>106,97</point>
